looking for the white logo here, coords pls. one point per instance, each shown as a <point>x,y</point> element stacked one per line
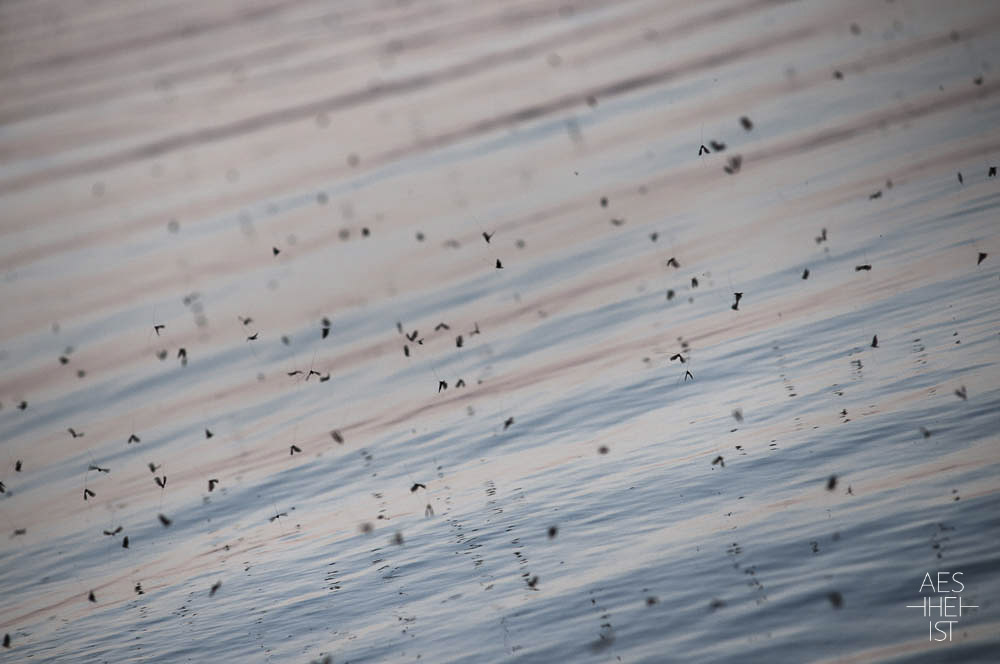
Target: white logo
<point>944,600</point>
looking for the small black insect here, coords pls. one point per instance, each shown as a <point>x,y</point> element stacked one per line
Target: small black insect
<point>441,326</point>
<point>960,179</point>
<point>805,273</point>
<point>487,236</point>
<point>125,542</point>
<point>831,483</point>
<point>733,167</point>
<point>87,493</point>
<point>157,328</point>
<point>215,588</point>
<point>294,373</point>
<point>92,597</point>
<point>982,257</point>
<point>875,341</point>
<point>654,236</point>
<point>553,531</point>
<point>99,469</point>
<point>719,461</point>
<point>6,640</point>
<point>866,268</point>
<point>460,383</point>
<point>74,433</point>
<point>161,482</point>
<point>293,449</point>
<point>677,356</point>
<point>822,237</point>
<point>499,264</point>
<point>992,173</point>
<point>688,374</point>
<point>672,262</point>
<point>112,533</point>
<point>337,437</point>
<point>211,485</point>
<point>412,336</point>
<point>458,341</point>
<point>275,250</point>
<point>508,422</point>
<point>164,520</point>
<point>747,124</point>
<point>23,405</point>
<point>417,485</point>
<point>17,466</point>
<point>702,150</point>
<point>670,294</point>
<point>253,337</point>
<point>133,438</point>
<point>961,393</point>
<point>694,282</point>
<point>183,355</point>
<point>738,415</point>
<point>152,467</point>
<point>442,385</point>
<point>245,321</point>
<point>736,304</point>
<point>717,146</point>
<point>836,599</point>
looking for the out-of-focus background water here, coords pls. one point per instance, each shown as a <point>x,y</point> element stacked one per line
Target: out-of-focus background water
<point>154,155</point>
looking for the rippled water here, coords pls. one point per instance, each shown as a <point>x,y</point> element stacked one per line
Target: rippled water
<point>153,157</point>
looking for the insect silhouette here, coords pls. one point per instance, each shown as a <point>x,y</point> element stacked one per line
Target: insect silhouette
<point>87,493</point>
<point>417,485</point>
<point>866,268</point>
<point>208,434</point>
<point>670,294</point>
<point>441,326</point>
<point>926,432</point>
<point>74,433</point>
<point>157,329</point>
<point>738,415</point>
<point>654,236</point>
<point>164,520</point>
<point>719,461</point>
<point>161,482</point>
<point>961,393</point>
<point>533,582</point>
<point>733,167</point>
<point>162,355</point>
<point>293,449</point>
<point>688,374</point>
<point>3,489</point>
<point>822,237</point>
<point>982,257</point>
<point>694,282</point>
<point>278,516</point>
<point>702,150</point>
<point>337,437</point>
<point>831,483</point>
<point>92,597</point>
<point>553,531</point>
<point>458,341</point>
<point>325,378</point>
<point>125,542</point>
<point>152,467</point>
<point>63,359</point>
<point>211,485</point>
<point>413,335</point>
<point>215,588</point>
<point>877,194</point>
<point>805,273</point>
<point>747,124</point>
<point>960,179</point>
<point>112,533</point>
<point>992,173</point>
<point>19,531</point>
<point>275,250</point>
<point>836,599</point>
<point>17,466</point>
<point>294,373</point>
<point>475,329</point>
<point>183,355</point>
<point>499,264</point>
<point>23,405</point>
<point>325,331</point>
<point>487,236</point>
<point>442,385</point>
<point>313,373</point>
<point>875,341</point>
<point>6,640</point>
<point>672,262</point>
<point>736,304</point>
<point>717,146</point>
<point>253,337</point>
<point>99,469</point>
<point>677,356</point>
<point>245,321</point>
<point>508,422</point>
